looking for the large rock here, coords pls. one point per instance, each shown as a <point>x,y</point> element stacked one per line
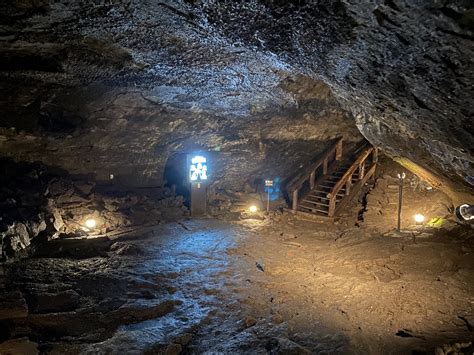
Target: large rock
<point>14,239</point>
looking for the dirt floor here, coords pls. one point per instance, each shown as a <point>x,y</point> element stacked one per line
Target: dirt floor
<point>253,286</point>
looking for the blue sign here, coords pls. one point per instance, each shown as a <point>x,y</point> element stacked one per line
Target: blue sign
<point>274,190</point>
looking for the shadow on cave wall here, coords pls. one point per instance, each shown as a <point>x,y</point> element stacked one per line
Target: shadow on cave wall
<point>174,176</point>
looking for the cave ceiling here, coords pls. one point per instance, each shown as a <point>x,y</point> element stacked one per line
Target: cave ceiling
<point>120,86</point>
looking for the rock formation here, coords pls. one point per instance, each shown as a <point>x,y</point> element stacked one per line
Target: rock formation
<point>124,90</point>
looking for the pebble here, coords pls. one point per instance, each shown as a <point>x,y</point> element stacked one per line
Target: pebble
<point>249,321</point>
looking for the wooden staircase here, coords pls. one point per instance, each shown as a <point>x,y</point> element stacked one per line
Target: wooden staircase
<point>326,187</point>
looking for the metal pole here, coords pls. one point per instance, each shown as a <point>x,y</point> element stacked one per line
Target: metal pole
<point>268,199</point>
<point>400,197</point>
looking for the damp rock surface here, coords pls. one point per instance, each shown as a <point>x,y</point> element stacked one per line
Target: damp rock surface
<point>196,288</point>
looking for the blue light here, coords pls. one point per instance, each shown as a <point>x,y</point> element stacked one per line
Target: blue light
<point>274,190</point>
<point>198,169</point>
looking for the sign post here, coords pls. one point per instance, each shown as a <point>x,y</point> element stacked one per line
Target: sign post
<point>198,176</point>
<point>401,177</point>
<point>268,184</point>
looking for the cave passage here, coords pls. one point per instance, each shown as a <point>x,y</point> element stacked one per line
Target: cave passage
<point>236,177</point>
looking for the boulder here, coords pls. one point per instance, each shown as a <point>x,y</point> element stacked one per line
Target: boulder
<point>58,222</point>
<point>14,239</point>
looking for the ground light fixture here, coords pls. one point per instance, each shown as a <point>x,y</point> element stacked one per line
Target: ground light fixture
<point>90,223</point>
<point>253,208</point>
<point>419,218</point>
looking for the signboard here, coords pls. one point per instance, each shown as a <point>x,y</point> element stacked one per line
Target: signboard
<point>268,182</point>
<point>198,169</point>
<point>198,177</point>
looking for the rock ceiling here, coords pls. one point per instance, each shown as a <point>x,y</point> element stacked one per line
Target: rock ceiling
<point>120,86</point>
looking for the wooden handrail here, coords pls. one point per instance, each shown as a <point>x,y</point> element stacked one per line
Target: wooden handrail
<point>297,182</point>
<point>348,174</point>
<point>356,188</point>
<point>346,179</point>
<point>295,185</point>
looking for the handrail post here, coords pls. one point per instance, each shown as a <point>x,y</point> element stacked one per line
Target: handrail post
<point>339,150</point>
<point>375,156</point>
<point>311,179</point>
<point>332,206</point>
<point>361,170</point>
<point>295,201</point>
<point>348,185</point>
<point>325,166</point>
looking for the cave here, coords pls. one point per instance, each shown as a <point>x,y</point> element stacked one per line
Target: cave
<point>236,177</point>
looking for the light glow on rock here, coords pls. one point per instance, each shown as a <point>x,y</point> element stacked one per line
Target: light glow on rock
<point>90,223</point>
<point>419,218</point>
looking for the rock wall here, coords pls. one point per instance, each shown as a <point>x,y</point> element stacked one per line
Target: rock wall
<point>403,68</point>
<point>39,204</point>
<point>122,87</point>
<point>381,205</point>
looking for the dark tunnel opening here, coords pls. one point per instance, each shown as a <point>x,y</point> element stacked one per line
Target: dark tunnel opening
<point>175,176</point>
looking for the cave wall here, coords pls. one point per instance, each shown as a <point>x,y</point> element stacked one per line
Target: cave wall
<point>118,87</point>
<point>403,68</point>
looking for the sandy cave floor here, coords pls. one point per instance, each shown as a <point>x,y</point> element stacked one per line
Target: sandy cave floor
<point>253,287</point>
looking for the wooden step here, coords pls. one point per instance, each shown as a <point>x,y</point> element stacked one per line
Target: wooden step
<point>327,186</point>
<point>324,194</point>
<point>315,199</point>
<point>314,210</point>
<point>316,203</point>
<point>339,175</point>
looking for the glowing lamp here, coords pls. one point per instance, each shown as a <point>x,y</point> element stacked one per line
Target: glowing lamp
<point>198,169</point>
<point>253,209</point>
<point>419,218</point>
<point>90,223</point>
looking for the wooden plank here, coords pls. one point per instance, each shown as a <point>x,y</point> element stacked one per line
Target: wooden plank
<point>339,150</point>
<point>355,190</point>
<point>361,170</point>
<point>332,207</point>
<point>295,200</point>
<point>311,179</point>
<point>316,203</point>
<point>351,170</point>
<point>297,182</point>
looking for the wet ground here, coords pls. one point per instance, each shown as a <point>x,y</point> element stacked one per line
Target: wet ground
<point>254,286</point>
